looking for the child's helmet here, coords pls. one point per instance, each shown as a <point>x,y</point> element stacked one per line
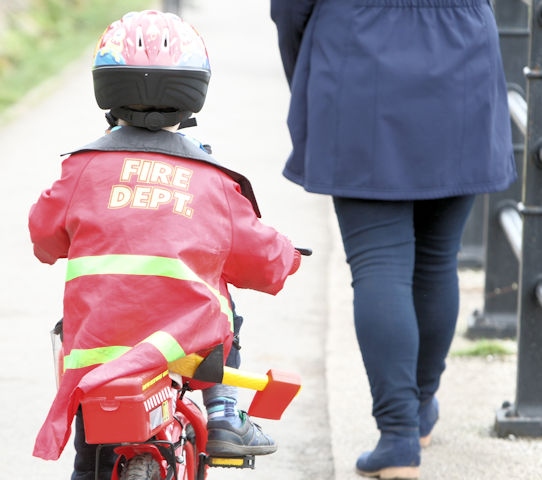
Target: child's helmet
<point>151,69</point>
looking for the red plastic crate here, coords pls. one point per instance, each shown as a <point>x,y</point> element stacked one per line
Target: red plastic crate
<point>128,409</point>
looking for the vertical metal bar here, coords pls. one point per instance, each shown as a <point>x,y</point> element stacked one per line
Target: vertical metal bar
<point>524,418</point>
<point>499,316</point>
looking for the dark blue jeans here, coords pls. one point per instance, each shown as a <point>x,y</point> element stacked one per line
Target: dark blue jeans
<point>403,259</point>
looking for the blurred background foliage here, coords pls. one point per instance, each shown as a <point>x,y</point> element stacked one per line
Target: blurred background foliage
<point>40,37</point>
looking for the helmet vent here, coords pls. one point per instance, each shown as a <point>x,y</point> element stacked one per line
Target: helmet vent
<point>139,37</point>
<point>166,39</point>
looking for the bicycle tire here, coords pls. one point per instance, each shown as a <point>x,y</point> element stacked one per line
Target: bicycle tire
<point>141,467</point>
<point>191,463</point>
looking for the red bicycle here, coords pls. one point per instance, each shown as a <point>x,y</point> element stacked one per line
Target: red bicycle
<point>156,430</point>
<point>159,433</point>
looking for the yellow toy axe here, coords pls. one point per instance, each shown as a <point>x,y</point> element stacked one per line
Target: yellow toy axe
<point>274,391</point>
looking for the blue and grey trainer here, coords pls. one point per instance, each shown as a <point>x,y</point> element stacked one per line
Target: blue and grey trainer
<point>225,440</point>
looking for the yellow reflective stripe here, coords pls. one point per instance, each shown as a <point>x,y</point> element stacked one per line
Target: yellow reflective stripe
<point>166,343</point>
<point>79,358</point>
<point>163,341</point>
<point>141,265</point>
<point>129,265</point>
<point>135,265</point>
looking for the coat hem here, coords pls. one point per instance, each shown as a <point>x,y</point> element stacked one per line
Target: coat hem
<point>396,195</point>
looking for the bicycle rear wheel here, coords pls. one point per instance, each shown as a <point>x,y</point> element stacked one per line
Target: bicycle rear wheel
<point>141,467</point>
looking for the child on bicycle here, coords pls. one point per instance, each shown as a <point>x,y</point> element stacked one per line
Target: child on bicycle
<point>153,229</point>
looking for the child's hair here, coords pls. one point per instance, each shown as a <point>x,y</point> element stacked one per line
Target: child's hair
<point>151,69</point>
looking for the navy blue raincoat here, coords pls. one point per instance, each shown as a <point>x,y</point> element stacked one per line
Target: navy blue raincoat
<point>395,99</point>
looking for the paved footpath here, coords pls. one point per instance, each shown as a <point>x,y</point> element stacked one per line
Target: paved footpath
<point>306,328</point>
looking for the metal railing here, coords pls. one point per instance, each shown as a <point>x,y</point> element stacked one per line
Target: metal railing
<point>520,219</point>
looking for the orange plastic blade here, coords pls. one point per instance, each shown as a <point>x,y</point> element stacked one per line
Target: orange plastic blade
<point>281,389</point>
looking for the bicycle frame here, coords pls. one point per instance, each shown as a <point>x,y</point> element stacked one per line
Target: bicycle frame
<point>177,444</point>
<point>178,447</point>
<point>149,414</point>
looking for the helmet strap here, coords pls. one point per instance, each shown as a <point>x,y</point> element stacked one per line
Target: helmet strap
<point>188,122</point>
<point>152,120</point>
<point>111,120</point>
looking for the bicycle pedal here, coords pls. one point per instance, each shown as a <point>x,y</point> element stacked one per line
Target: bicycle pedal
<point>247,461</point>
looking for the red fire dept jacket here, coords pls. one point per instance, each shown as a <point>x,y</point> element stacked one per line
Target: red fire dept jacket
<point>153,230</point>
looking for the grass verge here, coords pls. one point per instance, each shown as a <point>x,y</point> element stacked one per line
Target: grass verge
<point>484,348</point>
<point>40,40</point>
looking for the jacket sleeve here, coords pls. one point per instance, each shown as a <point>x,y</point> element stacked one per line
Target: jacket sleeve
<point>47,218</point>
<point>260,257</point>
<point>290,17</point>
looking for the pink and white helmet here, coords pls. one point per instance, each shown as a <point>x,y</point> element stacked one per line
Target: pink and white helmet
<point>154,60</point>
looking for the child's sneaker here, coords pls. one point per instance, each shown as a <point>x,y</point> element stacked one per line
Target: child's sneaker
<point>225,440</point>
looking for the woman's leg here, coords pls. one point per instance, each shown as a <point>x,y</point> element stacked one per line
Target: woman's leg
<point>439,227</point>
<point>379,243</point>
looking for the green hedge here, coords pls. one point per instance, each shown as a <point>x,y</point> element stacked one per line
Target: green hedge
<point>40,38</point>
